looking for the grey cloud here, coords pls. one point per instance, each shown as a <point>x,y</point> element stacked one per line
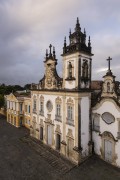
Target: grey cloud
<point>27,27</point>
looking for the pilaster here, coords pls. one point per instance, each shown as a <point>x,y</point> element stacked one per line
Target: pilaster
<point>78,122</point>
<point>63,143</point>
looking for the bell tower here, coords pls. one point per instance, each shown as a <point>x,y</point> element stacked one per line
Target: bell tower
<point>51,80</point>
<point>77,60</point>
<point>109,85</point>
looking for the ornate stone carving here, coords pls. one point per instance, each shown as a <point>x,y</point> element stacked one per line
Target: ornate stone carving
<point>58,129</point>
<point>107,134</point>
<point>70,133</point>
<point>41,98</point>
<point>70,101</point>
<point>50,71</point>
<point>49,106</point>
<point>58,100</point>
<point>34,119</point>
<point>41,122</point>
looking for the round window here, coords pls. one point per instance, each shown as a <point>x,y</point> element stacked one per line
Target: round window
<point>108,118</point>
<point>49,105</point>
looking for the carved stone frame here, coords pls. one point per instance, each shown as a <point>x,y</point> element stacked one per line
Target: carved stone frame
<point>108,136</point>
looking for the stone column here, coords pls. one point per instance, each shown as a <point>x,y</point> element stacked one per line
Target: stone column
<point>77,148</point>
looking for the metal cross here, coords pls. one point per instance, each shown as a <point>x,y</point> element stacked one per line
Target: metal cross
<point>109,59</point>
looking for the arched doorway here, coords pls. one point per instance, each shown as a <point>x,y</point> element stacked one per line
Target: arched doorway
<point>41,133</point>
<point>58,141</point>
<point>108,150</point>
<point>108,147</point>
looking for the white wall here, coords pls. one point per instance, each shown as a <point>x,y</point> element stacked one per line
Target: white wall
<point>118,152</point>
<point>107,106</point>
<point>111,108</point>
<point>85,106</point>
<point>97,142</point>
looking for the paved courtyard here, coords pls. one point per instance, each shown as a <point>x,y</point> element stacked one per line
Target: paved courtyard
<point>23,158</point>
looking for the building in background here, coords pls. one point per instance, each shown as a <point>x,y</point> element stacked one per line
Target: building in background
<point>27,111</point>
<point>18,109</point>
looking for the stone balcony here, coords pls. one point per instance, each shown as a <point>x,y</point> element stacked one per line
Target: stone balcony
<point>41,113</point>
<point>58,118</point>
<point>70,122</point>
<point>35,111</point>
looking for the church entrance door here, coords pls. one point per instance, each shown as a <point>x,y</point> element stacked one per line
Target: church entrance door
<point>58,140</point>
<point>41,133</point>
<point>49,135</point>
<point>108,150</point>
<point>20,121</point>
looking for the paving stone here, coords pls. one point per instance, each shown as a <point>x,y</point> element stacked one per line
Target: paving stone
<point>23,158</point>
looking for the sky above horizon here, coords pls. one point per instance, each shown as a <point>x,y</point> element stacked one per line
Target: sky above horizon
<point>27,27</point>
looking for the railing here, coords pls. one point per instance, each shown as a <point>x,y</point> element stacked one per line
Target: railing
<point>96,128</point>
<point>35,111</point>
<point>70,122</point>
<point>21,112</point>
<point>58,118</point>
<point>118,135</point>
<point>41,113</point>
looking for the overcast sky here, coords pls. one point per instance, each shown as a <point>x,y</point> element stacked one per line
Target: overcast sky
<point>27,27</point>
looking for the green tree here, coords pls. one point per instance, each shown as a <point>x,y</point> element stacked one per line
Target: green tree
<point>1,100</point>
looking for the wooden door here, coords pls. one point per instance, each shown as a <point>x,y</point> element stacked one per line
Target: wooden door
<point>108,150</point>
<point>41,133</point>
<point>58,141</point>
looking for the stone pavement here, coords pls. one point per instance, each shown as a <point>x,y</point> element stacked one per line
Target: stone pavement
<point>59,163</point>
<point>24,158</point>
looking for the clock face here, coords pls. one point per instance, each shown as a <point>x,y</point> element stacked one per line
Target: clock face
<point>49,106</point>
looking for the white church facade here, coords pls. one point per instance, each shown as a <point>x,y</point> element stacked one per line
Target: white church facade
<point>61,106</point>
<point>63,115</point>
<point>106,120</point>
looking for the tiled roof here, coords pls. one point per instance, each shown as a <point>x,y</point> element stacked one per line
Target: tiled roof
<point>96,85</point>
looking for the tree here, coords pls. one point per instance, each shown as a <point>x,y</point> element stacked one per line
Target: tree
<point>27,86</point>
<point>1,100</point>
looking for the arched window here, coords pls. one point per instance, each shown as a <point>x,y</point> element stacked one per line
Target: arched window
<point>108,86</point>
<point>85,69</point>
<point>70,70</point>
<point>96,122</point>
<point>58,109</point>
<point>70,114</point>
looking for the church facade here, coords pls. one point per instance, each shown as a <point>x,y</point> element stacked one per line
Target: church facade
<point>71,116</point>
<point>106,120</point>
<point>61,107</point>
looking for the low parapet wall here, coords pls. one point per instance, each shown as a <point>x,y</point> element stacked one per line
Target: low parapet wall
<point>3,112</point>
